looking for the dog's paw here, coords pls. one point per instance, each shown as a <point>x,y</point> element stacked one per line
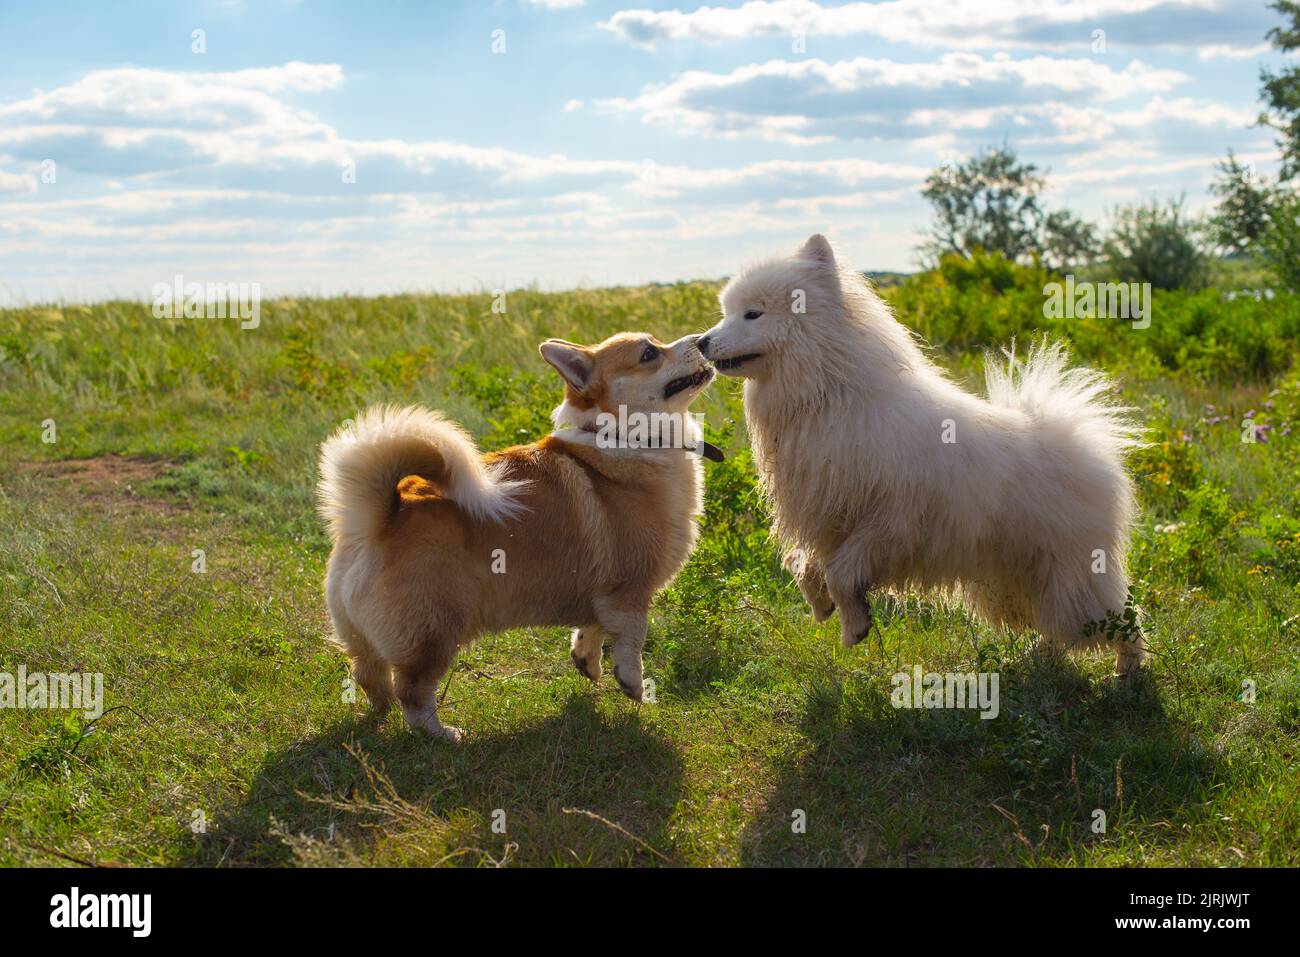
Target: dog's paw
<point>1130,661</point>
<point>585,650</point>
<point>854,627</point>
<point>823,612</point>
<point>438,731</point>
<point>425,721</point>
<point>588,667</point>
<point>632,687</point>
<point>447,733</point>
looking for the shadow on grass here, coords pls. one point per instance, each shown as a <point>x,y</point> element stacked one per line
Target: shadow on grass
<point>886,786</point>
<point>431,802</point>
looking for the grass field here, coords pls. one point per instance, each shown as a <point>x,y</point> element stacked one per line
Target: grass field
<point>228,738</point>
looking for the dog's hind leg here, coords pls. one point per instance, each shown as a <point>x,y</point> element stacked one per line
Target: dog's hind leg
<point>847,581</point>
<point>811,579</point>
<point>1064,626</point>
<point>585,650</point>
<point>624,615</point>
<point>415,681</point>
<point>376,679</point>
<point>1089,610</point>
<point>1130,656</point>
<point>368,669</point>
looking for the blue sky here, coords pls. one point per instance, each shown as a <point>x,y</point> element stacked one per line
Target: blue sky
<point>344,147</point>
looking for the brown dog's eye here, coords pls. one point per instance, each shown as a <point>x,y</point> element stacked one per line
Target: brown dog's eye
<point>753,314</point>
<point>650,354</point>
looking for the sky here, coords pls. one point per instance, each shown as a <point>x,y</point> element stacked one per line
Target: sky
<point>319,147</point>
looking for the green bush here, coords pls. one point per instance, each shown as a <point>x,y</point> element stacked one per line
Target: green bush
<point>517,405</point>
<point>1156,243</point>
<point>987,301</point>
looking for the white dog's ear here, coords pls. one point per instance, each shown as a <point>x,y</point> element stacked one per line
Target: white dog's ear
<point>571,361</point>
<point>817,249</point>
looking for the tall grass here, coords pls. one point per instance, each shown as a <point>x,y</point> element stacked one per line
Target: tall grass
<point>232,707</point>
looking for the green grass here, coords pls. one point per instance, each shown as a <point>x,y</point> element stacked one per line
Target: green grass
<point>227,704</point>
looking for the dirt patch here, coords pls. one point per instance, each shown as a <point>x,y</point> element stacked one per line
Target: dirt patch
<point>111,480</point>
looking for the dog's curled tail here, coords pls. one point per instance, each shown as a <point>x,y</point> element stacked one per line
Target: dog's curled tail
<point>361,464</point>
<point>1079,400</point>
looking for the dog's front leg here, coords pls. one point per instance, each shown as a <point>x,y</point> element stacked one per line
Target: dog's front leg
<point>847,581</point>
<point>624,617</point>
<point>810,576</point>
<point>585,649</point>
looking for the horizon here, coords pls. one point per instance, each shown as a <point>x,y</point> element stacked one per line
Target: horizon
<point>590,145</point>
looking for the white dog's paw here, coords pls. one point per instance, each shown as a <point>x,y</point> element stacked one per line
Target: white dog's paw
<point>823,611</point>
<point>1129,659</point>
<point>812,584</point>
<point>855,624</point>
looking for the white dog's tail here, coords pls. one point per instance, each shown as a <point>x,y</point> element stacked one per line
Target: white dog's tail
<point>361,464</point>
<point>1076,400</point>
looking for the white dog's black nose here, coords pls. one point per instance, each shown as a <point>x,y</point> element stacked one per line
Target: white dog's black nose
<point>702,343</point>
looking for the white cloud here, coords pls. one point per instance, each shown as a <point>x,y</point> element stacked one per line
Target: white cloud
<point>237,128</point>
<point>143,95</point>
<point>17,182</point>
<point>970,24</point>
<point>182,129</point>
<point>1223,51</point>
<point>233,179</point>
<point>812,101</point>
<point>1093,172</point>
<point>233,175</point>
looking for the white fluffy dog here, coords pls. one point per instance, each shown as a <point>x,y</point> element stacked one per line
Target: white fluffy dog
<point>882,473</point>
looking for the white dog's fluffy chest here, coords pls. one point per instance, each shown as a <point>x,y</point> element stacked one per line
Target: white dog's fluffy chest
<point>903,463</point>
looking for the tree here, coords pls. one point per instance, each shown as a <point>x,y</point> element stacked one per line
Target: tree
<point>1155,242</point>
<point>1280,244</point>
<point>1281,90</point>
<point>1241,217</point>
<point>1067,241</point>
<point>989,202</point>
<point>1279,240</point>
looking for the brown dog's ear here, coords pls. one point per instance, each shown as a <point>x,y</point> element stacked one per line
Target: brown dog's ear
<point>573,362</point>
<point>817,249</point>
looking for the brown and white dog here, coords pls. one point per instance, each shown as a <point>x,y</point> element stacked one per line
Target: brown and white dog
<point>436,544</point>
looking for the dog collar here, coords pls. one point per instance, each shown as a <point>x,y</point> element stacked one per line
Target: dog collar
<point>711,451</point>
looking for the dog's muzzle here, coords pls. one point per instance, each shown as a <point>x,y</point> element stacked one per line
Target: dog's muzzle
<point>693,381</point>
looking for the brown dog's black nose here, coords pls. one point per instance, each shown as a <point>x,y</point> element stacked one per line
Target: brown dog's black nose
<point>702,343</point>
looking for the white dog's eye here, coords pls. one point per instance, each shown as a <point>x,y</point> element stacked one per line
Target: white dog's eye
<point>650,354</point>
<point>753,314</point>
